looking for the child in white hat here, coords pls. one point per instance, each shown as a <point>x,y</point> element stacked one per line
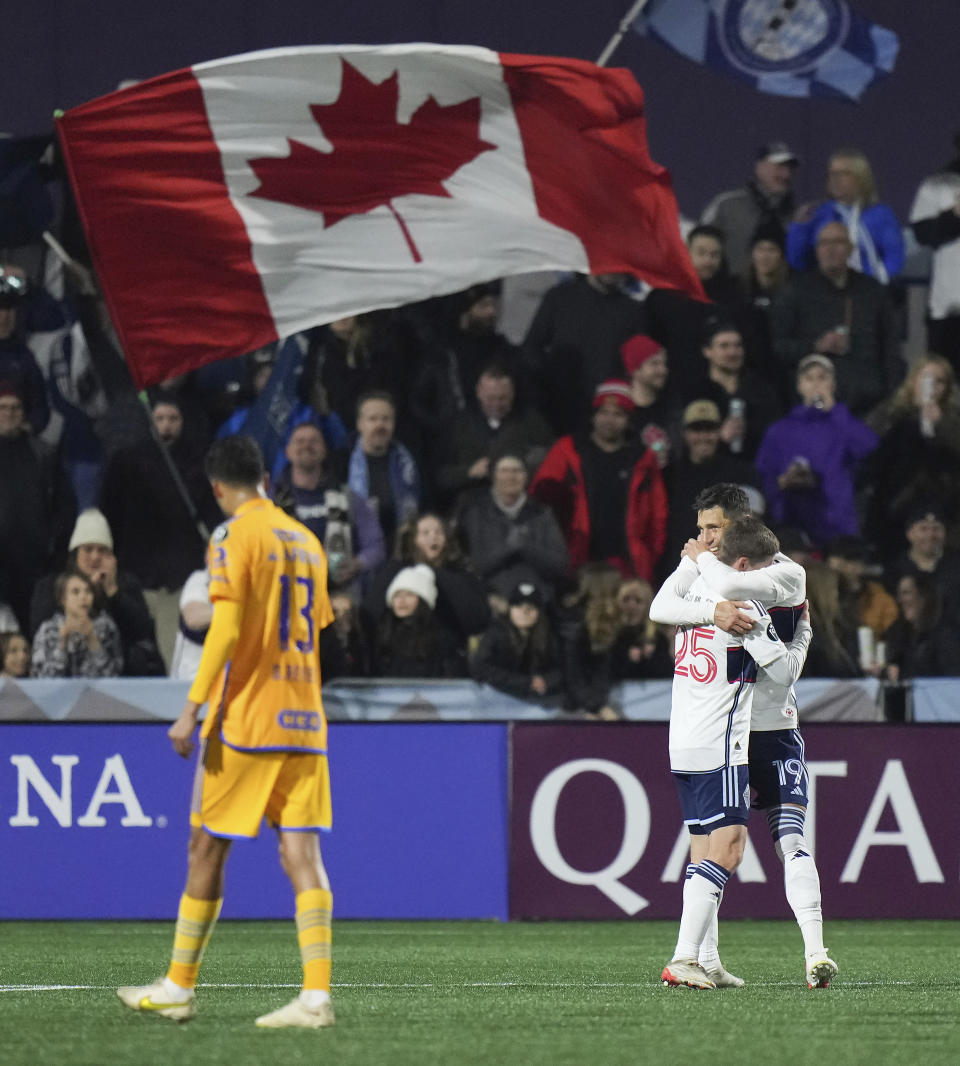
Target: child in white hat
<point>409,641</point>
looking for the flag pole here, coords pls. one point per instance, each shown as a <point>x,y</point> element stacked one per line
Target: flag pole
<point>82,276</point>
<point>625,23</point>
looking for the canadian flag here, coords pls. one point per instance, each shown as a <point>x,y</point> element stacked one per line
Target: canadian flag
<point>249,198</point>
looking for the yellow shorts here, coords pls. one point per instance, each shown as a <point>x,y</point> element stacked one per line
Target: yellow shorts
<point>234,791</point>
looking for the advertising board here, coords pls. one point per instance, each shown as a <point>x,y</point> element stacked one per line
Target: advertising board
<point>596,830</point>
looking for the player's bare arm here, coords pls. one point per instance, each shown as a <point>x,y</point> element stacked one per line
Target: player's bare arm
<point>181,732</point>
<point>217,648</point>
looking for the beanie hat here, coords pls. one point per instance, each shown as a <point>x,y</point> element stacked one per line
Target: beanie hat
<point>526,592</point>
<point>91,528</point>
<point>924,511</point>
<point>637,350</point>
<point>614,389</point>
<point>419,579</point>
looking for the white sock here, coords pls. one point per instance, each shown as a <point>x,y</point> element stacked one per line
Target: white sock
<point>314,997</point>
<point>802,884</point>
<point>709,954</point>
<point>177,993</point>
<point>701,898</point>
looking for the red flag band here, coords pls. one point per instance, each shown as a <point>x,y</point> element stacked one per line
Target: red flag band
<point>252,197</point>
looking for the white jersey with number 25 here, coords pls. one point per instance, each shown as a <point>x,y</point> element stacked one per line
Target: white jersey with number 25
<point>713,685</point>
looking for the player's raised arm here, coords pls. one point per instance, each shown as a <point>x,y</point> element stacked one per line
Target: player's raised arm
<point>674,606</point>
<point>670,605</point>
<point>785,582</point>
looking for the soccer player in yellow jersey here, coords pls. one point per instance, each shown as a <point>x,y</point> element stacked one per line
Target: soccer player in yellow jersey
<point>264,739</point>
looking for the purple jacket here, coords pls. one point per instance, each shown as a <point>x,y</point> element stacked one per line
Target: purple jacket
<point>833,442</point>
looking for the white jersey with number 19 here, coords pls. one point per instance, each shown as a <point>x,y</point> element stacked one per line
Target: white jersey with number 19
<point>713,684</point>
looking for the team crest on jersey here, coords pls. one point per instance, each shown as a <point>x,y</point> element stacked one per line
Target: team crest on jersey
<point>220,533</point>
<point>771,632</point>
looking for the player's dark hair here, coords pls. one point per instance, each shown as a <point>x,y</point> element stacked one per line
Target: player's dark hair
<point>747,537</point>
<point>730,498</point>
<point>236,461</point>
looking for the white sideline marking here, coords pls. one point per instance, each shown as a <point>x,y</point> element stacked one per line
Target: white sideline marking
<point>464,984</point>
<point>163,927</point>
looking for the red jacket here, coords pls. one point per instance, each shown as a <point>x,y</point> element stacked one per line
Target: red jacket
<point>559,484</point>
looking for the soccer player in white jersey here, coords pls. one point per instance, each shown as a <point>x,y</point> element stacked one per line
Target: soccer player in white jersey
<point>713,691</point>
<point>778,772</point>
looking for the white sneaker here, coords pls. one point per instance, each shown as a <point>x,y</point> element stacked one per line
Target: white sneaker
<point>722,978</point>
<point>820,972</point>
<point>686,972</point>
<point>153,999</point>
<point>296,1015</point>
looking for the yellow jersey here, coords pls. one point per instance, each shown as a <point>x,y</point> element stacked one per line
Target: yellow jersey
<point>268,696</point>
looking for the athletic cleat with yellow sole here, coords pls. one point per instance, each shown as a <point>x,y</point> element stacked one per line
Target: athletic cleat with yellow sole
<point>685,973</point>
<point>296,1015</point>
<point>820,972</point>
<point>153,999</point>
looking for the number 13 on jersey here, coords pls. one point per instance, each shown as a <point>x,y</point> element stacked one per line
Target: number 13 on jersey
<point>296,599</point>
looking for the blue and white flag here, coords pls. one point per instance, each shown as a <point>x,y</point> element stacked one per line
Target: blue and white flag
<point>268,421</point>
<point>784,47</point>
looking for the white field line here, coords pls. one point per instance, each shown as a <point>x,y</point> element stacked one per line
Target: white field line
<point>165,928</point>
<point>581,985</point>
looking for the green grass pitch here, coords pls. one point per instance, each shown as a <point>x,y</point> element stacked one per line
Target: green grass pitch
<point>486,993</point>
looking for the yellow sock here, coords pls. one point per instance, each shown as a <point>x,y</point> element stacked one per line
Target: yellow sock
<point>314,913</point>
<point>195,921</point>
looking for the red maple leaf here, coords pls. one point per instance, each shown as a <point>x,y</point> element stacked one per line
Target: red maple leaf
<point>374,157</point>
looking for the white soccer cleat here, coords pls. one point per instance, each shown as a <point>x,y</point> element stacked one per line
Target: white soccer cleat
<point>722,978</point>
<point>296,1015</point>
<point>685,973</point>
<point>153,999</point>
<point>820,972</point>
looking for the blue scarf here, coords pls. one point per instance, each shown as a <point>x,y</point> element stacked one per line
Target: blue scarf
<point>403,474</point>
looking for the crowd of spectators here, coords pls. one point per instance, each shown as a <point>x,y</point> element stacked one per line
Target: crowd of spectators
<point>503,511</point>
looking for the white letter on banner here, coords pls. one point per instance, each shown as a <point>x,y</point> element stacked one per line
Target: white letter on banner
<point>676,868</point>
<point>815,770</point>
<point>28,773</point>
<point>636,830</point>
<point>114,770</point>
<point>911,835</point>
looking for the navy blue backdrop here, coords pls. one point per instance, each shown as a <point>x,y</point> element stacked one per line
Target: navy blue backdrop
<point>704,128</point>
